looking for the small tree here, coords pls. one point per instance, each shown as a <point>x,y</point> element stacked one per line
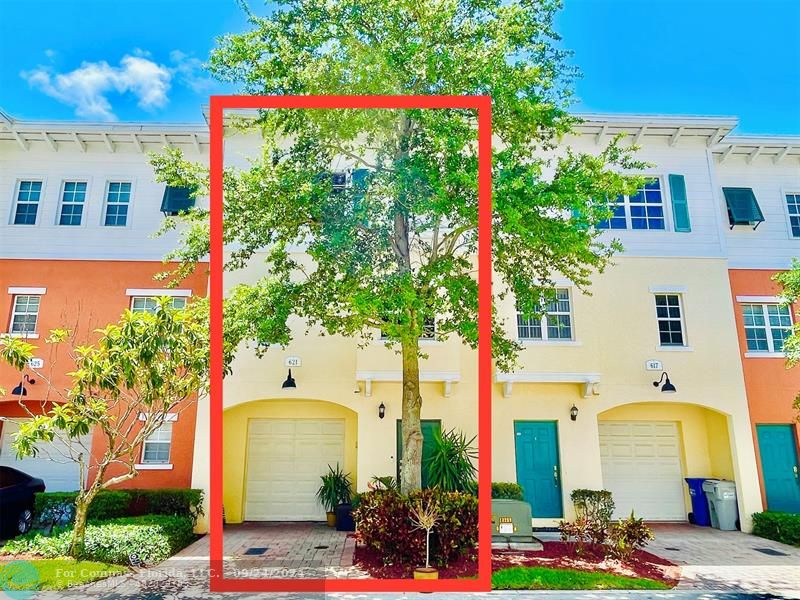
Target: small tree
<point>426,517</point>
<point>141,369</point>
<point>790,280</point>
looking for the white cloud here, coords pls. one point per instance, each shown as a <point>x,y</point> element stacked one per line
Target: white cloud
<point>189,71</point>
<point>88,87</point>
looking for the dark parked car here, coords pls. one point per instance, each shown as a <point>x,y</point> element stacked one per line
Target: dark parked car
<point>17,490</point>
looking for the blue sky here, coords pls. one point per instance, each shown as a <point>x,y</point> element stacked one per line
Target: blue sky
<point>141,59</point>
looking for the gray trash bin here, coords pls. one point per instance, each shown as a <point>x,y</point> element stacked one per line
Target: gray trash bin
<point>721,496</point>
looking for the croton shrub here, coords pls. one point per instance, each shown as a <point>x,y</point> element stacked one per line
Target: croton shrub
<point>383,523</point>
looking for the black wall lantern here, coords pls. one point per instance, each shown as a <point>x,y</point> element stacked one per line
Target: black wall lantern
<point>20,389</point>
<point>381,410</point>
<point>573,413</point>
<point>667,388</point>
<point>289,383</point>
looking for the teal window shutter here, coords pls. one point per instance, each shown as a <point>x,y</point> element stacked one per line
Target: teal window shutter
<point>743,208</point>
<point>680,204</point>
<point>176,200</point>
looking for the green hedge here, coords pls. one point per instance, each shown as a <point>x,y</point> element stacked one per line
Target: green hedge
<point>151,538</point>
<point>507,491</point>
<point>781,527</point>
<point>52,508</point>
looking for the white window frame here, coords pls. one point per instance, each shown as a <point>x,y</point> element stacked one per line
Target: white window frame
<point>154,297</point>
<point>15,201</point>
<point>681,308</point>
<point>61,203</point>
<point>763,302</point>
<point>147,441</point>
<point>784,193</point>
<point>14,313</point>
<point>626,203</point>
<point>106,203</point>
<point>423,339</point>
<point>543,323</point>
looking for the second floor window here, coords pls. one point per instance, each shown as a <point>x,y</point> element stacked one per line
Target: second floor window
<point>25,314</point>
<point>118,197</point>
<point>27,202</point>
<point>766,326</point>
<point>73,195</point>
<point>155,449</point>
<point>555,324</point>
<point>670,320</point>
<point>642,210</point>
<point>793,207</point>
<point>141,304</point>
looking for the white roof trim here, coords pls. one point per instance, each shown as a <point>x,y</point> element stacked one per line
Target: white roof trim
<point>32,291</point>
<point>150,292</point>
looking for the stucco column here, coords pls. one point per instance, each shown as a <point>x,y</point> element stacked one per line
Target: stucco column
<point>200,464</point>
<point>744,467</point>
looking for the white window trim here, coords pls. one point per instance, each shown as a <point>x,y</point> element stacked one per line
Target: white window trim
<point>23,334</point>
<point>770,352</point>
<point>129,217</point>
<point>27,336</point>
<point>545,340</point>
<point>168,418</point>
<point>153,466</point>
<point>15,199</point>
<point>759,299</point>
<point>157,292</point>
<point>665,205</point>
<point>84,213</point>
<point>784,192</point>
<point>27,291</point>
<point>157,465</point>
<point>668,289</point>
<point>685,347</point>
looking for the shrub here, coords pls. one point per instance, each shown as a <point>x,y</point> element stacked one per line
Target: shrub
<point>384,524</point>
<point>593,510</point>
<point>627,536</point>
<point>507,491</point>
<point>450,465</point>
<point>151,538</point>
<point>58,508</point>
<point>185,502</point>
<point>781,527</point>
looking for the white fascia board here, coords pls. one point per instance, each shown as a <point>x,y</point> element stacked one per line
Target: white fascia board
<point>150,292</point>
<point>29,291</point>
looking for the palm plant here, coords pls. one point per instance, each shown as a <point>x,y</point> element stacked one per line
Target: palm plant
<point>450,465</point>
<point>336,488</point>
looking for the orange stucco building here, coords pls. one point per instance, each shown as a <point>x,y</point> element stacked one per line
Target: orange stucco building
<point>83,295</point>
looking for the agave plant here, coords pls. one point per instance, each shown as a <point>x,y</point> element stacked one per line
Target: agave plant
<point>450,465</point>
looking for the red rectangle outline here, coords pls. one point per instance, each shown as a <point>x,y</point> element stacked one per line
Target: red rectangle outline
<point>483,105</point>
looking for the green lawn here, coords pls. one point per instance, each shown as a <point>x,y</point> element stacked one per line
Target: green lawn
<point>542,578</point>
<point>56,573</point>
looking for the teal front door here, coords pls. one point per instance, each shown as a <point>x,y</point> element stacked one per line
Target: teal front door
<point>538,467</point>
<point>778,448</point>
<point>428,427</point>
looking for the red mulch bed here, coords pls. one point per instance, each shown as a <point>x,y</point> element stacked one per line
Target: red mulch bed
<point>564,555</point>
<point>561,555</point>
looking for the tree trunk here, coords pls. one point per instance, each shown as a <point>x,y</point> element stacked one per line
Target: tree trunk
<point>411,428</point>
<point>79,528</point>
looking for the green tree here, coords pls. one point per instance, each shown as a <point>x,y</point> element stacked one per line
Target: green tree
<point>140,369</point>
<point>394,250</point>
<point>790,280</point>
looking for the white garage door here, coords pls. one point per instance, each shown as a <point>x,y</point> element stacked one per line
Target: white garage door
<point>51,464</point>
<point>285,458</point>
<point>642,468</point>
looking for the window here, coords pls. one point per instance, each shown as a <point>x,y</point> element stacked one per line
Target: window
<point>743,208</point>
<point>141,304</point>
<point>428,330</point>
<point>25,314</point>
<point>73,196</point>
<point>670,320</point>
<point>642,210</point>
<point>555,324</point>
<point>27,202</point>
<point>118,197</point>
<point>766,326</point>
<point>793,206</point>
<point>155,449</point>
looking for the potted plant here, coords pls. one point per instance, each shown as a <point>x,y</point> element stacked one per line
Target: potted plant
<point>426,517</point>
<point>336,489</point>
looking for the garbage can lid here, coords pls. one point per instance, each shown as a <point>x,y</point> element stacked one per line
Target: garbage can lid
<point>709,485</point>
<point>724,484</point>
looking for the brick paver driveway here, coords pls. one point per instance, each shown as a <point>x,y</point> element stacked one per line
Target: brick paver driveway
<point>728,560</point>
